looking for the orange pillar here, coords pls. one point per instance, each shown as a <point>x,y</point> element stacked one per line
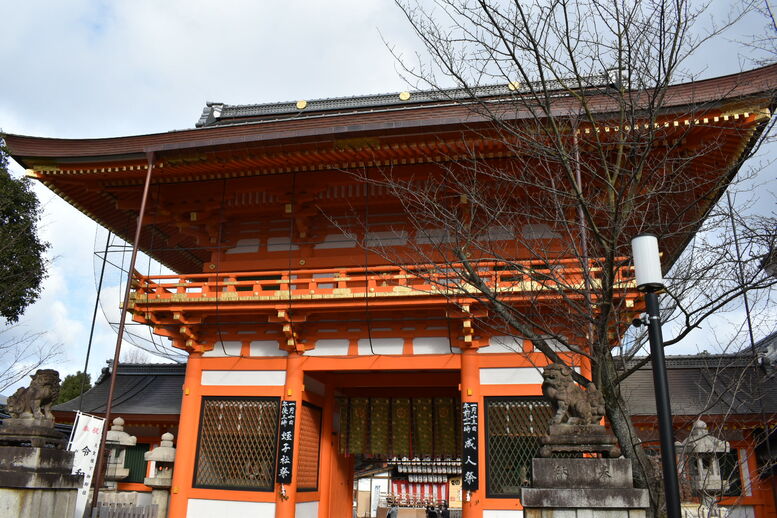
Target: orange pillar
<point>328,445</point>
<point>341,488</point>
<point>187,438</point>
<point>286,494</point>
<point>472,503</point>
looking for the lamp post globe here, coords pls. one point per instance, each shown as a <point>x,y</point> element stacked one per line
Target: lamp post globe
<point>647,263</point>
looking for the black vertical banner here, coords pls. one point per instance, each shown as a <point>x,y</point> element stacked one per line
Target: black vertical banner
<point>286,443</point>
<point>469,456</point>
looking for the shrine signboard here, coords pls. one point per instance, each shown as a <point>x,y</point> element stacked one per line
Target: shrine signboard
<point>469,457</point>
<point>286,443</point>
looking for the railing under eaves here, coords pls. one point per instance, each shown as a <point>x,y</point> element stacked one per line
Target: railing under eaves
<point>561,279</point>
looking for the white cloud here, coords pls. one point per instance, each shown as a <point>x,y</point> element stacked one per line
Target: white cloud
<point>92,69</point>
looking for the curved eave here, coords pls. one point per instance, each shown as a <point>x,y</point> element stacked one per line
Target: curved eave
<point>78,169</point>
<point>32,152</point>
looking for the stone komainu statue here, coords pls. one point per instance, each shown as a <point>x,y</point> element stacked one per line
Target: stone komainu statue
<point>35,401</point>
<point>571,404</point>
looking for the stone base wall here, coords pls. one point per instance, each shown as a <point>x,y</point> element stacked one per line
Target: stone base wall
<point>36,482</point>
<point>124,497</point>
<point>35,503</point>
<point>583,488</point>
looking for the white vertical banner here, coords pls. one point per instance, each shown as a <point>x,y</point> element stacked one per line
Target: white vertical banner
<point>85,442</point>
<point>377,487</point>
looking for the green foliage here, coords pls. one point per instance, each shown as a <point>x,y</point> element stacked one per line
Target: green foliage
<point>22,261</point>
<point>71,386</point>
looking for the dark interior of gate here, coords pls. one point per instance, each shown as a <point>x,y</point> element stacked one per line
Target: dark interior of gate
<point>399,436</point>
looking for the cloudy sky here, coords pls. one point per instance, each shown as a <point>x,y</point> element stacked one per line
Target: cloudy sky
<point>99,68</point>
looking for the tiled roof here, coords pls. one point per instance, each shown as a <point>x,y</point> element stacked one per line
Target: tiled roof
<point>219,114</point>
<point>153,389</point>
<point>706,384</point>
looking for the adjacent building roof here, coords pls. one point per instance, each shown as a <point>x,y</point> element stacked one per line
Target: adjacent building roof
<point>767,347</point>
<point>707,385</point>
<point>148,389</point>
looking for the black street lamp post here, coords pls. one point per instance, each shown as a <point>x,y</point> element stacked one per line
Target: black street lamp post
<point>647,266</point>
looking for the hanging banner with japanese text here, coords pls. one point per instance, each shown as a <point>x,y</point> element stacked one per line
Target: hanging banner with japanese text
<point>469,457</point>
<point>85,443</point>
<point>286,443</point>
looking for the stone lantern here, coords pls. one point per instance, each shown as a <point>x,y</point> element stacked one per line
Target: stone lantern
<point>701,450</point>
<point>162,477</point>
<point>116,443</point>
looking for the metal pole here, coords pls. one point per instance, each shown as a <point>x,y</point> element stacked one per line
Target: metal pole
<point>94,319</point>
<point>98,480</point>
<point>663,409</point>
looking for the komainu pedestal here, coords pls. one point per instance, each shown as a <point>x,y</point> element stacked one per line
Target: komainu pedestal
<point>578,438</point>
<point>36,482</point>
<point>583,488</point>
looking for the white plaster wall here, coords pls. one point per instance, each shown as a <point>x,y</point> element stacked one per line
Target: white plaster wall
<point>265,348</point>
<point>502,513</point>
<point>497,233</point>
<point>433,236</point>
<point>741,511</point>
<point>201,508</point>
<point>539,231</point>
<point>245,246</point>
<point>386,238</point>
<point>510,376</point>
<point>381,346</point>
<point>222,349</point>
<point>232,378</point>
<point>306,510</point>
<point>329,347</point>
<point>502,344</point>
<point>280,244</point>
<point>337,241</point>
<point>431,345</point>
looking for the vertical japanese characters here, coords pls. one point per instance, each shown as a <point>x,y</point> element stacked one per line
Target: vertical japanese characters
<point>85,442</point>
<point>286,444</point>
<point>469,458</point>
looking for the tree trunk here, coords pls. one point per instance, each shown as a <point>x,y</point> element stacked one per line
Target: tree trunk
<point>644,470</point>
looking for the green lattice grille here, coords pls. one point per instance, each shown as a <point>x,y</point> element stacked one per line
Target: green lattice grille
<point>237,443</point>
<point>513,428</point>
<point>136,462</point>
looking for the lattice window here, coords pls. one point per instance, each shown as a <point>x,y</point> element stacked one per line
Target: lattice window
<point>309,443</point>
<point>513,428</point>
<point>237,443</point>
